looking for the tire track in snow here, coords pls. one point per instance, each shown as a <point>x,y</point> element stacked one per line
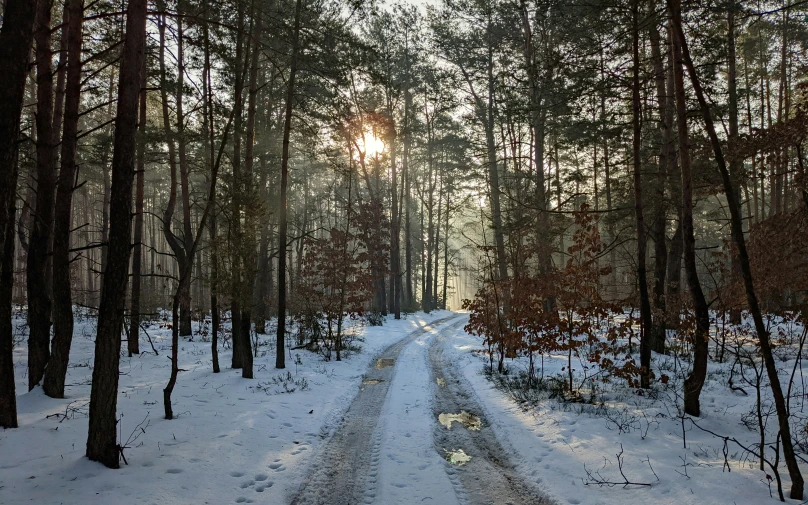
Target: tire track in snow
<point>348,464</point>
<point>410,472</point>
<point>489,477</point>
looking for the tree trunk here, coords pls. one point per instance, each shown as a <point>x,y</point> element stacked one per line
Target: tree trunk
<point>133,343</point>
<point>185,274</point>
<point>673,277</point>
<point>260,288</point>
<point>185,298</point>
<point>426,299</point>
<point>446,254</point>
<point>15,39</point>
<point>395,226</point>
<point>493,170</point>
<point>735,165</point>
<point>177,246</point>
<point>101,439</point>
<point>280,358</point>
<point>248,243</point>
<point>436,275</point>
<point>405,169</point>
<point>695,381</point>
<point>538,118</point>
<point>235,225</point>
<point>645,304</point>
<point>212,232</point>
<point>39,302</point>
<point>54,383</point>
<point>667,156</point>
<point>797,483</point>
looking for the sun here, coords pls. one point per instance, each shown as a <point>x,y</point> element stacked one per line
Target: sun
<point>371,144</point>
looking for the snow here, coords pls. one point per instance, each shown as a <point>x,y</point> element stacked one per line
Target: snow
<point>230,443</point>
<point>554,442</point>
<point>255,441</point>
<point>411,470</point>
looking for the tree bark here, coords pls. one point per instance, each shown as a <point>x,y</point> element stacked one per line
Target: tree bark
<point>214,239</point>
<point>395,224</point>
<point>235,225</point>
<point>39,302</point>
<point>645,304</point>
<point>15,39</point>
<point>491,148</point>
<point>667,156</point>
<point>133,342</point>
<point>54,383</point>
<point>249,240</point>
<point>185,190</point>
<point>735,164</point>
<point>695,381</point>
<point>280,358</point>
<point>101,439</point>
<point>405,169</point>
<point>538,119</point>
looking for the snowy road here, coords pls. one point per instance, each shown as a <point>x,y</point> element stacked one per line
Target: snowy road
<point>489,476</point>
<point>390,449</point>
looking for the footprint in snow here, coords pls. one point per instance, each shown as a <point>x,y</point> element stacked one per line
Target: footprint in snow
<point>236,474</point>
<point>260,489</point>
<point>174,470</point>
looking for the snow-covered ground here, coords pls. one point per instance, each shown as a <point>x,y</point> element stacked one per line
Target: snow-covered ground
<point>556,444</point>
<point>233,441</point>
<point>410,469</point>
<point>256,441</point>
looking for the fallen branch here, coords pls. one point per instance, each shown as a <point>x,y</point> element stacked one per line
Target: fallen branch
<point>596,479</point>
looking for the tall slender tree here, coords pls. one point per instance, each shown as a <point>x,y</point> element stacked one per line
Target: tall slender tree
<point>102,443</point>
<point>280,357</point>
<point>54,383</point>
<point>15,39</point>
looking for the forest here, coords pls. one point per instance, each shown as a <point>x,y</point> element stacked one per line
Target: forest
<point>608,198</point>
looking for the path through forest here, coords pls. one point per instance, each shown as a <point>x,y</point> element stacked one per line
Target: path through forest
<point>391,448</point>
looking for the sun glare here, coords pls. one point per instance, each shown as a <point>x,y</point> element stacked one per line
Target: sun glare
<point>371,145</point>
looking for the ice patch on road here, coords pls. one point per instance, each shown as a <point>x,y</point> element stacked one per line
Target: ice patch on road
<point>384,363</point>
<point>457,457</point>
<point>470,421</point>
